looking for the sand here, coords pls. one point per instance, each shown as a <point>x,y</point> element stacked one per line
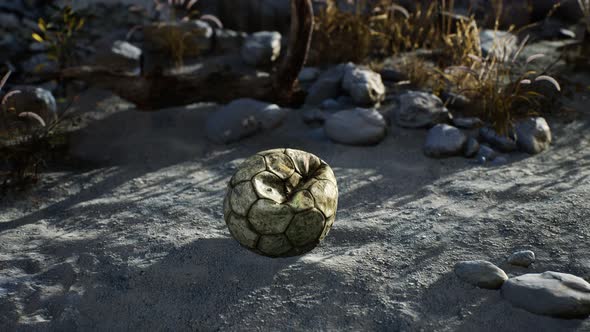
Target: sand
<point>136,240</point>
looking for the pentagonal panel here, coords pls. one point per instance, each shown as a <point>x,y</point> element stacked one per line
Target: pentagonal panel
<point>248,169</point>
<point>292,182</point>
<point>268,185</point>
<point>306,227</point>
<point>274,245</point>
<point>325,173</point>
<point>239,229</point>
<point>242,198</point>
<point>301,201</point>
<point>327,227</point>
<point>325,195</point>
<point>269,217</point>
<point>305,163</point>
<point>280,164</point>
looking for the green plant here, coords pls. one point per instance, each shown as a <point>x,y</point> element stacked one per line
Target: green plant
<point>59,32</point>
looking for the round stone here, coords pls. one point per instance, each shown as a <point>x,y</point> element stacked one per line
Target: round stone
<point>306,227</point>
<point>269,217</point>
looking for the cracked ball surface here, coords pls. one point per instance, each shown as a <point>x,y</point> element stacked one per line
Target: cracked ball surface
<point>281,202</point>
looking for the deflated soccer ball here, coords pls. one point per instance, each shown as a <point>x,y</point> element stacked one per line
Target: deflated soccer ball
<point>281,202</point>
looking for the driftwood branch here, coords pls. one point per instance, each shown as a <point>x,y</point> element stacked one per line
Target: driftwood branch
<point>214,80</point>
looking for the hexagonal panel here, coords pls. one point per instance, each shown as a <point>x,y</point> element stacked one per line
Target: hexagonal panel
<point>301,201</point>
<point>280,164</point>
<point>271,151</point>
<point>325,195</point>
<point>268,185</point>
<point>242,198</point>
<point>226,204</point>
<point>274,245</point>
<point>239,229</point>
<point>292,182</point>
<point>327,227</point>
<point>306,227</point>
<point>325,173</point>
<point>248,169</point>
<point>305,163</point>
<point>269,217</point>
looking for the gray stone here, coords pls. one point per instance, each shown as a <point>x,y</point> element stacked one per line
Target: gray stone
<point>487,152</point>
<point>499,161</point>
<point>392,75</point>
<point>522,258</point>
<point>196,36</point>
<point>471,148</point>
<point>9,21</point>
<point>455,101</point>
<point>533,135</point>
<point>242,118</point>
<point>356,127</point>
<point>420,110</point>
<point>261,48</point>
<point>313,117</point>
<point>227,41</point>
<point>501,44</point>
<point>481,273</point>
<point>364,86</point>
<point>121,55</point>
<point>550,293</point>
<point>309,74</point>
<point>468,123</point>
<point>444,141</point>
<point>331,104</point>
<point>504,143</point>
<point>328,85</point>
<point>33,99</point>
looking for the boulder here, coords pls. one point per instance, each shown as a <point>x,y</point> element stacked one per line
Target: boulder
<point>359,126</point>
<point>364,86</point>
<point>444,141</point>
<point>550,293</point>
<point>261,48</point>
<point>420,110</point>
<point>242,118</point>
<point>533,135</point>
<point>482,274</point>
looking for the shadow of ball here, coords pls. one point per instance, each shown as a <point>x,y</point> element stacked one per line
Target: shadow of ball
<point>281,202</point>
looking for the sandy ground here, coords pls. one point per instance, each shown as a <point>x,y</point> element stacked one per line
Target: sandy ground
<point>138,241</point>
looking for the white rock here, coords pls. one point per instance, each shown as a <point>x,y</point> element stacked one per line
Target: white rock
<point>444,141</point>
<point>364,86</point>
<point>533,135</point>
<point>550,293</point>
<point>242,118</point>
<point>359,126</point>
<point>522,258</point>
<point>261,48</point>
<point>480,273</point>
<point>420,110</point>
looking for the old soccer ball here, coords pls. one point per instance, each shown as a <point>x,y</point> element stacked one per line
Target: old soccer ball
<point>281,202</point>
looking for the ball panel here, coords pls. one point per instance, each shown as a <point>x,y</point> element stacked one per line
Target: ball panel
<point>327,227</point>
<point>248,169</point>
<point>271,151</point>
<point>226,204</point>
<point>239,229</point>
<point>280,164</point>
<point>274,245</point>
<point>305,228</point>
<point>270,186</point>
<point>325,173</point>
<point>292,182</point>
<point>325,195</point>
<point>305,163</point>
<point>269,217</point>
<point>301,201</point>
<point>242,198</point>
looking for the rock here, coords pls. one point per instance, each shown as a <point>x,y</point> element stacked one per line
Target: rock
<point>32,99</point>
<point>229,41</point>
<point>420,110</point>
<point>121,55</point>
<point>162,37</point>
<point>471,148</point>
<point>533,135</point>
<point>364,86</point>
<point>550,293</point>
<point>9,21</point>
<point>314,117</point>
<point>331,104</point>
<point>481,273</point>
<point>328,85</point>
<point>502,44</point>
<point>499,161</point>
<point>455,101</point>
<point>468,123</point>
<point>500,142</point>
<point>360,126</point>
<point>38,63</point>
<point>309,74</point>
<point>522,258</point>
<point>242,118</point>
<point>261,48</point>
<point>487,153</point>
<point>392,75</point>
<point>444,141</point>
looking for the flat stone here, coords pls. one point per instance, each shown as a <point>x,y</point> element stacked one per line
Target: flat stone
<point>504,143</point>
<point>481,273</point>
<point>444,141</point>
<point>356,127</point>
<point>522,258</point>
<point>420,110</point>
